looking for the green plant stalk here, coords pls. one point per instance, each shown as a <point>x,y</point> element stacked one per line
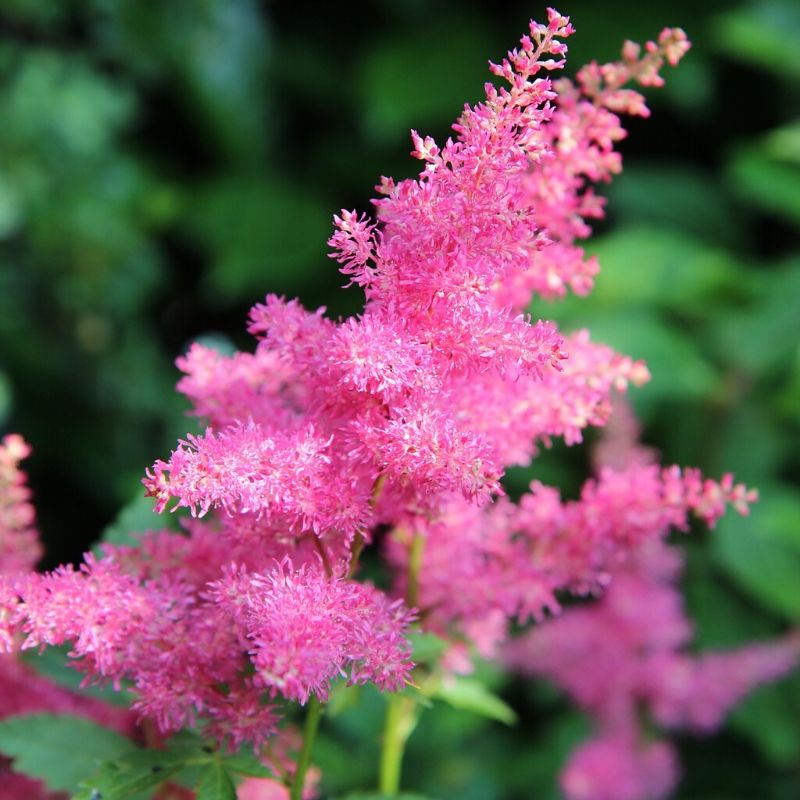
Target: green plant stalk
<point>401,719</point>
<point>360,541</point>
<point>313,716</point>
<point>414,566</point>
<point>402,712</point>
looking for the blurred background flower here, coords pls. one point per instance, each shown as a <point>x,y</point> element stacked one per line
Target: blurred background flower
<point>164,165</point>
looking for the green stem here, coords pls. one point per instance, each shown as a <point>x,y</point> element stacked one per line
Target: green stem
<point>304,759</point>
<point>360,540</point>
<point>400,722</point>
<point>414,566</point>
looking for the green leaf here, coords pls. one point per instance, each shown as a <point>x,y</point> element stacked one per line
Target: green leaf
<point>54,664</point>
<point>469,694</point>
<point>679,371</point>
<point>768,181</point>
<point>764,33</point>
<point>136,517</point>
<point>762,338</point>
<point>427,647</point>
<point>58,749</point>
<point>245,763</point>
<point>215,784</point>
<point>762,552</point>
<point>130,775</point>
<point>673,198</point>
<point>769,717</point>
<point>659,266</point>
<point>137,771</point>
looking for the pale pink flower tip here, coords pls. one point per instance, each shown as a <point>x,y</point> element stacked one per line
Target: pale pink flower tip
<point>19,539</point>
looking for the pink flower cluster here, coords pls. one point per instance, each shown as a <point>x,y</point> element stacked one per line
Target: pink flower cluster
<point>152,618</point>
<point>403,419</point>
<point>22,690</point>
<point>441,382</point>
<point>484,567</point>
<point>627,653</point>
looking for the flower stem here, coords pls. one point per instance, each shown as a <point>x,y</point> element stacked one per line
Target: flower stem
<point>313,715</point>
<point>414,566</point>
<point>360,540</point>
<point>401,719</point>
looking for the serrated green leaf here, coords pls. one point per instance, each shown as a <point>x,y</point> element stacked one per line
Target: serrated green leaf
<point>134,772</point>
<point>58,749</point>
<point>215,784</point>
<point>469,694</point>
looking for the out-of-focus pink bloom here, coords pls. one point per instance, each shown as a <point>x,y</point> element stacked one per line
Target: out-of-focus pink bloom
<point>620,768</point>
<point>21,787</point>
<point>627,653</point>
<point>483,566</point>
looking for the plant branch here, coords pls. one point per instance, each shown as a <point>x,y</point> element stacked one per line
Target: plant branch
<point>401,719</point>
<point>313,715</point>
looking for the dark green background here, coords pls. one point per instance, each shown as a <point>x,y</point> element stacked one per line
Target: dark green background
<point>165,164</point>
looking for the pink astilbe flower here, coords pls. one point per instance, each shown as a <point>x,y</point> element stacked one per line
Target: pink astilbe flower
<point>226,389</point>
<point>627,652</point>
<point>578,150</point>
<point>484,566</point>
<point>305,629</point>
<point>519,417</point>
<point>441,383</point>
<point>401,418</point>
<point>22,689</point>
<point>620,768</point>
<point>154,635</point>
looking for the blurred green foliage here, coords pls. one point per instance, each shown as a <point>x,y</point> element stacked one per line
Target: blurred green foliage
<point>164,165</point>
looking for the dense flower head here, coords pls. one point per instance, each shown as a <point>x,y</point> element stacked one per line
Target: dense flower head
<point>175,622</point>
<point>399,423</point>
<point>304,629</point>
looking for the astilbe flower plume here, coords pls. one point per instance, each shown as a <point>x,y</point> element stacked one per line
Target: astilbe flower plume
<point>403,419</point>
<point>627,652</point>
<point>22,689</point>
<point>405,415</point>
